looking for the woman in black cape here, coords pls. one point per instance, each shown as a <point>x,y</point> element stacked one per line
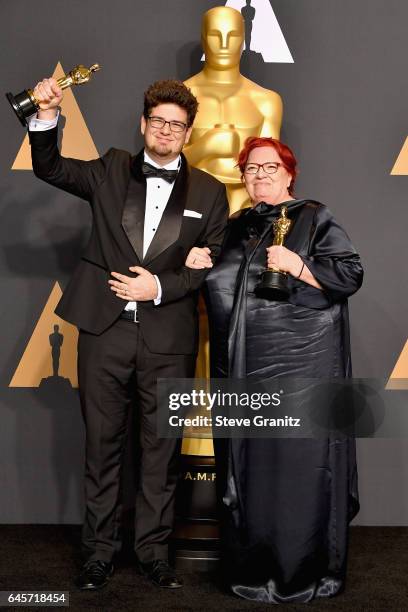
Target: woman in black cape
<point>285,504</point>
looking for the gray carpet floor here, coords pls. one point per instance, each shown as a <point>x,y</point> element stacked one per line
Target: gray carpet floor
<point>43,557</point>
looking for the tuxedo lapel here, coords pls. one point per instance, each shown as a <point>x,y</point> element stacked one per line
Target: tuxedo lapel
<point>134,208</point>
<point>170,223</point>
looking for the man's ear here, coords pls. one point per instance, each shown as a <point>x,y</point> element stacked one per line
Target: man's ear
<point>188,134</point>
<point>143,124</point>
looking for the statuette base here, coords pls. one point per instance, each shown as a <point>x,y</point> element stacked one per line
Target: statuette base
<point>273,285</point>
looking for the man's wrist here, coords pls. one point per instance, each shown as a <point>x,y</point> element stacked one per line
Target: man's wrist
<point>47,115</point>
<point>40,125</point>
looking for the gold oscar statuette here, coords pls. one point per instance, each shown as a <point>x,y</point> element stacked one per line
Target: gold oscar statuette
<point>24,104</point>
<point>274,282</point>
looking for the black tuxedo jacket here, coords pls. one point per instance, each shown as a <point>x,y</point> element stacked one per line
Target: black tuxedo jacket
<point>116,190</point>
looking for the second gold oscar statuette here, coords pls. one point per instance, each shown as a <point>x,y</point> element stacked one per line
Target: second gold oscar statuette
<point>274,282</point>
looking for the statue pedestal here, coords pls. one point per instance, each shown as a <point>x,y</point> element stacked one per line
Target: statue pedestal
<point>195,542</point>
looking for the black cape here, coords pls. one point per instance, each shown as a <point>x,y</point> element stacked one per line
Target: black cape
<point>285,504</point>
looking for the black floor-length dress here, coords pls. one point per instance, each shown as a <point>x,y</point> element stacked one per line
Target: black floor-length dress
<point>285,503</point>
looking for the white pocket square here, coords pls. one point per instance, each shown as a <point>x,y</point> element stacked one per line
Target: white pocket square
<point>192,213</point>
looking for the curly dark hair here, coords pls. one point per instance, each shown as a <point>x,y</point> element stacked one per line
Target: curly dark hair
<point>170,91</point>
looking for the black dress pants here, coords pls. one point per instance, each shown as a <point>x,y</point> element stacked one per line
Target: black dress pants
<point>117,373</point>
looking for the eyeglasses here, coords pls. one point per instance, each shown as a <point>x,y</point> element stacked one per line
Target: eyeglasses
<point>159,123</point>
<point>268,167</point>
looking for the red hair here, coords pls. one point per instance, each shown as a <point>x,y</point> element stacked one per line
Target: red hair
<point>288,159</point>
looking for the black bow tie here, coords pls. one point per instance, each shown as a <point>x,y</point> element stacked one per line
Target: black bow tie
<point>150,171</point>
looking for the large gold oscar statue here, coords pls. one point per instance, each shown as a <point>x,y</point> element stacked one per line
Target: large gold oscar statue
<point>231,106</point>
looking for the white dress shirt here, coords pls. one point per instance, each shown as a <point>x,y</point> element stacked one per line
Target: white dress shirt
<point>40,125</point>
<point>158,192</point>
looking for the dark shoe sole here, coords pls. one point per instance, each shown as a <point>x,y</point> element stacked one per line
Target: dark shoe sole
<point>93,587</point>
<point>163,586</point>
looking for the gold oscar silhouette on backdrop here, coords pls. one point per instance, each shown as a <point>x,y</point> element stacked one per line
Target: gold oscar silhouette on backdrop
<point>38,365</point>
<point>231,106</point>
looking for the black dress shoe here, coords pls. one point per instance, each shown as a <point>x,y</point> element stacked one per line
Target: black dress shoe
<point>94,575</point>
<point>161,574</point>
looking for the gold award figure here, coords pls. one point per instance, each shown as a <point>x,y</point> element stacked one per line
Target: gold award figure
<point>24,104</point>
<point>274,282</point>
<point>231,106</point>
<point>281,227</point>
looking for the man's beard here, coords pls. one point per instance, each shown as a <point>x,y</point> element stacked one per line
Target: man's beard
<point>162,150</point>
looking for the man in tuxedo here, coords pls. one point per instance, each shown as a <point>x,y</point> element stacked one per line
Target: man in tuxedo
<point>134,303</point>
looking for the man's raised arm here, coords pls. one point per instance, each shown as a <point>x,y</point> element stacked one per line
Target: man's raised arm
<point>73,175</point>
